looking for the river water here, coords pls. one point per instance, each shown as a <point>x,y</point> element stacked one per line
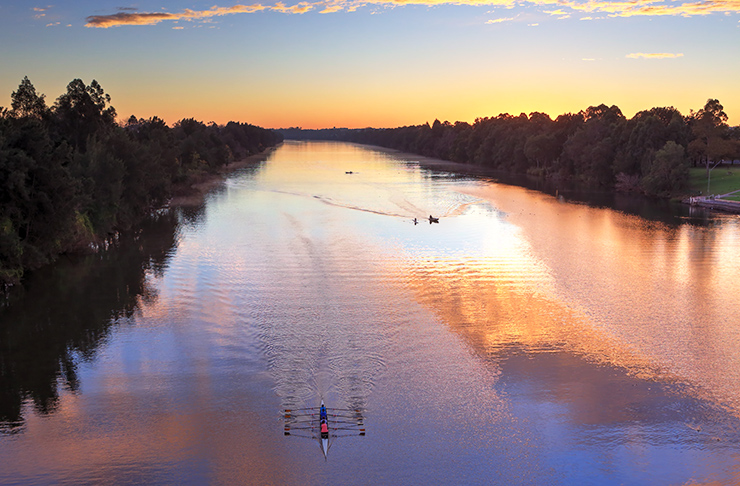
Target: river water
<point>524,339</point>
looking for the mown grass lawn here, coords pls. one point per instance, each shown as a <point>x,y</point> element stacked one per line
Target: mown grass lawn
<point>723,179</point>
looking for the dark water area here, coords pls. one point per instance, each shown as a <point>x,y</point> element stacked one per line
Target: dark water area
<point>524,339</point>
<point>63,312</point>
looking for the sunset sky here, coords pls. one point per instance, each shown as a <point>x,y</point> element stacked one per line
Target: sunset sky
<point>380,63</point>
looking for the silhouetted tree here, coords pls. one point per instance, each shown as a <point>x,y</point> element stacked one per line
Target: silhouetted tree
<point>711,135</point>
<point>82,112</point>
<point>26,103</point>
<point>71,174</point>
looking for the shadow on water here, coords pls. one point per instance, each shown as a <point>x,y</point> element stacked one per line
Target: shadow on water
<point>608,405</point>
<point>64,312</point>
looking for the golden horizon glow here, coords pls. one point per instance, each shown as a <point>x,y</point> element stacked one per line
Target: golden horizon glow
<point>384,63</point>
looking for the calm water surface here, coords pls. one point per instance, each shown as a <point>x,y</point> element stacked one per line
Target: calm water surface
<point>523,339</point>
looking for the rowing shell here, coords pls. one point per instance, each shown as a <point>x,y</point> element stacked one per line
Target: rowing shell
<point>323,424</point>
<point>325,446</point>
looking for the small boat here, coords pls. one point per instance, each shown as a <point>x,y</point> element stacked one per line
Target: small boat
<point>323,424</point>
<point>432,219</point>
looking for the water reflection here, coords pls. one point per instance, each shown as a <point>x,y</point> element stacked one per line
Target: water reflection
<point>63,313</point>
<point>657,291</point>
<point>523,339</point>
<point>651,209</point>
<point>612,365</point>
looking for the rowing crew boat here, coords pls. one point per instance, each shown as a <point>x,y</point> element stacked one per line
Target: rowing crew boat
<point>323,424</point>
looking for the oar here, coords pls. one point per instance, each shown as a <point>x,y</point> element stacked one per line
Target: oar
<point>287,410</point>
<point>349,428</point>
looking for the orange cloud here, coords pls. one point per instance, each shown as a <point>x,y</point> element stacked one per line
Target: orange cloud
<point>153,18</point>
<point>655,7</point>
<point>620,8</point>
<point>686,9</point>
<point>333,8</point>
<point>302,7</point>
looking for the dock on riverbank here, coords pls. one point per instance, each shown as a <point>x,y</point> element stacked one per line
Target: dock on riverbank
<point>712,203</point>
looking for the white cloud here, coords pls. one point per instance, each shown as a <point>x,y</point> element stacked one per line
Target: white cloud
<point>498,21</point>
<point>654,55</point>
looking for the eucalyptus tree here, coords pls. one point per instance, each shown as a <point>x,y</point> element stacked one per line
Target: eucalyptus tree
<point>26,103</point>
<point>711,143</point>
<point>83,112</point>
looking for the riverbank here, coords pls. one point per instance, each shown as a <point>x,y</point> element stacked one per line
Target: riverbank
<point>84,241</point>
<point>727,206</point>
<point>722,180</point>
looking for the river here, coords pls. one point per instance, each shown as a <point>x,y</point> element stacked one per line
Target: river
<point>524,339</point>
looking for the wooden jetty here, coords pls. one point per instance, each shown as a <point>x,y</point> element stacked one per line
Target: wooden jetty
<point>715,203</point>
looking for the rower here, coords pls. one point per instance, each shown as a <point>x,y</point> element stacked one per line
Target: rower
<point>432,219</point>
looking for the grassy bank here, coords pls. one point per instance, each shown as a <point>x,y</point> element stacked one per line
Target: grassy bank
<point>722,180</point>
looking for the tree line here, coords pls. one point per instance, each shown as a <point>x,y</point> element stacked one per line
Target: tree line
<point>649,153</point>
<point>70,174</point>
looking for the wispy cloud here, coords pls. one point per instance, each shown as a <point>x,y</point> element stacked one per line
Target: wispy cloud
<point>153,18</point>
<point>559,8</point>
<point>332,9</point>
<point>498,21</point>
<point>632,8</point>
<point>300,8</point>
<point>654,55</point>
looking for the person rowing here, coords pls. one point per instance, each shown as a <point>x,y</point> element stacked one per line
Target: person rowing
<point>324,428</point>
<point>305,423</point>
<point>432,219</point>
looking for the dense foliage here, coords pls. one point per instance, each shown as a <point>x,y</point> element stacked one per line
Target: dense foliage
<point>70,174</point>
<point>649,153</point>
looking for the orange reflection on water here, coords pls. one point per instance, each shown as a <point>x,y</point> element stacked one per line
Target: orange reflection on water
<point>497,305</point>
<point>632,292</point>
<point>113,437</point>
